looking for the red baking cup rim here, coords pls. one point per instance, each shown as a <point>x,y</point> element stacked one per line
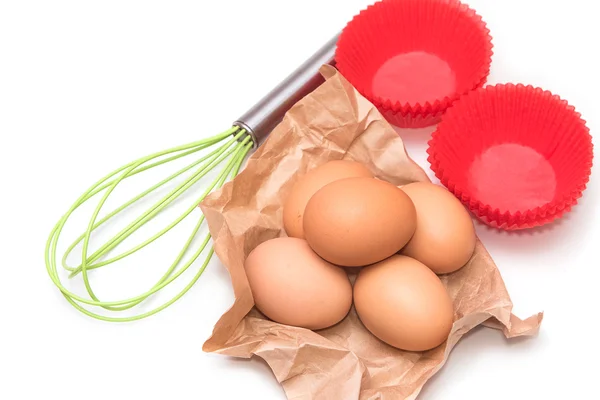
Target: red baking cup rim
<point>498,149</point>
<point>445,29</point>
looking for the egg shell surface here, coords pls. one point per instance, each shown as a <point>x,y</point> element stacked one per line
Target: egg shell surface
<point>445,236</point>
<point>293,286</point>
<point>404,304</point>
<point>309,184</point>
<point>358,221</point>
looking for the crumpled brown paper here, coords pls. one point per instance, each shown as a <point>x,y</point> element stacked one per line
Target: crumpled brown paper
<point>343,362</point>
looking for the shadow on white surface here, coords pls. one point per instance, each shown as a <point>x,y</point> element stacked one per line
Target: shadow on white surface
<point>258,370</point>
<point>562,234</point>
<point>474,352</point>
<point>416,137</point>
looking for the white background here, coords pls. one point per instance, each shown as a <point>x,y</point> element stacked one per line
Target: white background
<point>87,86</point>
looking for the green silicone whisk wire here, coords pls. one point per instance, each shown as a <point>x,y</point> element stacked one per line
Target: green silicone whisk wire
<point>226,151</point>
<point>235,145</point>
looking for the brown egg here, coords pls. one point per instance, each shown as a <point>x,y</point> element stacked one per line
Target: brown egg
<point>445,236</point>
<point>294,286</point>
<point>403,303</point>
<point>358,221</point>
<point>293,208</point>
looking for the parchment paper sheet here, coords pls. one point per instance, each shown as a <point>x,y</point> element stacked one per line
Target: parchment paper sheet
<point>344,362</point>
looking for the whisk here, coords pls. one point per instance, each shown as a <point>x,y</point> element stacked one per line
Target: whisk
<point>227,150</point>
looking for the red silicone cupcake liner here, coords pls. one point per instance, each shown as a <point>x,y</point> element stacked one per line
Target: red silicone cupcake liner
<point>515,155</point>
<point>413,58</point>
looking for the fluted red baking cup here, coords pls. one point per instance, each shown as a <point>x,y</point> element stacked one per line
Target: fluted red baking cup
<point>413,58</point>
<point>517,156</point>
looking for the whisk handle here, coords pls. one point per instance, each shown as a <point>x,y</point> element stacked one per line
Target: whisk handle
<point>261,119</point>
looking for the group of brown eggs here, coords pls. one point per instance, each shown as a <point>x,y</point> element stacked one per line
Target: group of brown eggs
<point>353,238</point>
